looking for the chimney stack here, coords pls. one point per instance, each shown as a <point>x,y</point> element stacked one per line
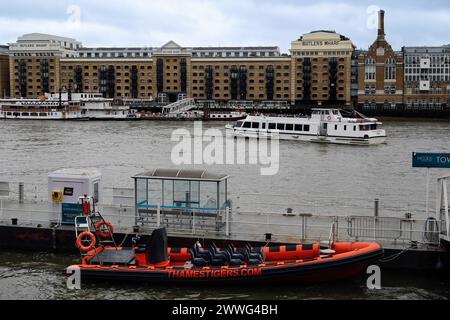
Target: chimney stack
<point>381,33</point>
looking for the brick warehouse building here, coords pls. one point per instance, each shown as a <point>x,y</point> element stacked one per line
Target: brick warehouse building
<point>380,74</point>
<point>42,63</point>
<point>322,69</point>
<point>4,71</point>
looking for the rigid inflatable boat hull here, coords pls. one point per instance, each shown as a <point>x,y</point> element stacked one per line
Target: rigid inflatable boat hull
<point>302,271</point>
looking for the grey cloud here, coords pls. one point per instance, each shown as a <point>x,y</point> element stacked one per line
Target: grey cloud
<point>226,22</point>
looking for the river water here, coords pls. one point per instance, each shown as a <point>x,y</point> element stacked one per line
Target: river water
<point>31,149</point>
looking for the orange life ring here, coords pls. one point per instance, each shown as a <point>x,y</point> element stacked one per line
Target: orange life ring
<point>80,240</point>
<point>104,234</point>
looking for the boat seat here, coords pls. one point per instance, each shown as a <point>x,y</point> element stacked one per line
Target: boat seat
<point>202,253</point>
<point>253,262</point>
<point>216,249</point>
<point>221,255</point>
<point>122,257</point>
<point>234,254</point>
<point>258,250</point>
<point>235,262</point>
<point>254,256</point>
<point>218,262</point>
<point>199,262</point>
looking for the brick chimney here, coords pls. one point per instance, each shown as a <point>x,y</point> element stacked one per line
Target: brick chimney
<point>381,33</point>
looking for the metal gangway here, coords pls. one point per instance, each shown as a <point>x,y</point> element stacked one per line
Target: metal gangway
<point>174,109</point>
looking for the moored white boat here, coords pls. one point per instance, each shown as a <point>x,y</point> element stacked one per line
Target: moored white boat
<point>40,109</point>
<point>65,106</point>
<point>96,107</point>
<point>225,115</point>
<point>323,126</point>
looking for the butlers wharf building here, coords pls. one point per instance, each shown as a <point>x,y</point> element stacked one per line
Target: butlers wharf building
<point>318,70</point>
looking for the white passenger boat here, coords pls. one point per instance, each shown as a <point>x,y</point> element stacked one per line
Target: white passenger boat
<point>323,126</point>
<point>95,107</point>
<point>225,115</point>
<point>41,109</point>
<point>65,106</point>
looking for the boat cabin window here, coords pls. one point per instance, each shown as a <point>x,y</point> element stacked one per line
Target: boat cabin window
<point>345,128</point>
<point>367,127</point>
<point>255,125</point>
<point>247,125</point>
<point>272,126</point>
<point>335,127</point>
<point>335,112</point>
<point>354,128</point>
<point>298,127</point>
<point>306,127</point>
<point>238,124</point>
<point>280,126</point>
<point>264,125</point>
<point>289,127</point>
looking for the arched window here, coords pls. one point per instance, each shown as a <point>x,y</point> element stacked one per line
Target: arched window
<point>370,69</point>
<point>390,69</point>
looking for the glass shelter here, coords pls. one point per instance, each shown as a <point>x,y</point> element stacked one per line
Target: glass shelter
<point>174,192</point>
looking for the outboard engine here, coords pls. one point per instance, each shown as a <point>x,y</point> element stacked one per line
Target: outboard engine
<point>157,248</point>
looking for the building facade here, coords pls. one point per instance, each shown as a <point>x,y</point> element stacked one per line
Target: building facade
<point>427,78</point>
<point>322,62</point>
<point>34,63</point>
<point>321,69</point>
<point>4,72</point>
<point>380,74</point>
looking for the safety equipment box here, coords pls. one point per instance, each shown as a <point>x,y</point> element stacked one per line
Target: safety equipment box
<point>65,187</point>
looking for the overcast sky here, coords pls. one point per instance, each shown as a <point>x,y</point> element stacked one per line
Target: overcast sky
<point>224,22</point>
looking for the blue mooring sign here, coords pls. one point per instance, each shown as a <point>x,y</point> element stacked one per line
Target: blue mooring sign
<point>431,160</point>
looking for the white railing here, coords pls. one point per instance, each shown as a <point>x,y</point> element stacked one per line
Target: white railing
<point>267,202</point>
<point>178,107</point>
<point>252,216</point>
<point>253,226</point>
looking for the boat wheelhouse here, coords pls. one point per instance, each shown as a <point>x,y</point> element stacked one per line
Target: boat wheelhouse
<point>322,126</point>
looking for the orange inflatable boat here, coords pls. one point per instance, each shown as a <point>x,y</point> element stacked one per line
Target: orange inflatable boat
<point>155,262</point>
